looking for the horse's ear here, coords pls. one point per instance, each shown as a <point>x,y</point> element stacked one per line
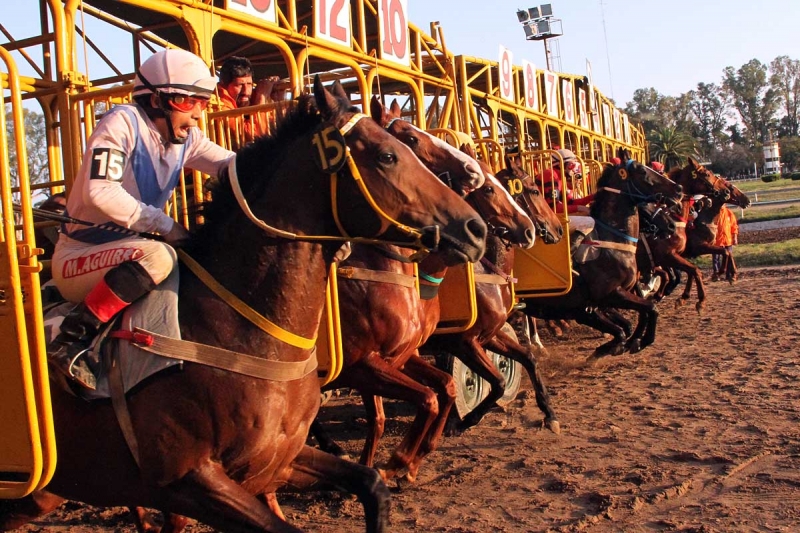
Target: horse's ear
<point>692,162</point>
<point>377,110</point>
<point>326,102</point>
<point>338,90</point>
<point>467,149</point>
<point>395,109</point>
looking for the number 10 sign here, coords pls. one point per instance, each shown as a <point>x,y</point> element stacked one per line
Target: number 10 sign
<point>394,31</point>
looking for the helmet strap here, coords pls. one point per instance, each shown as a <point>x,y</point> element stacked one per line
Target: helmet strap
<point>164,110</point>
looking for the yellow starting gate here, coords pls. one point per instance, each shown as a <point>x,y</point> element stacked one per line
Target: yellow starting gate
<point>70,79</point>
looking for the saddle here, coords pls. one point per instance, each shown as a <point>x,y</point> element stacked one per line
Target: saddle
<point>156,312</point>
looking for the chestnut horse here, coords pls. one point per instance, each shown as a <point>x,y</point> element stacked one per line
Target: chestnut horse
<point>669,253</point>
<point>494,299</point>
<point>606,281</point>
<point>210,440</point>
<point>386,319</point>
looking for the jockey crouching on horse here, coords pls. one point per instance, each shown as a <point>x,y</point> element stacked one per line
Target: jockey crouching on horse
<point>551,183</point>
<point>131,165</point>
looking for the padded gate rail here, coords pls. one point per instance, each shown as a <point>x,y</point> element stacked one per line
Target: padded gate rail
<point>27,441</point>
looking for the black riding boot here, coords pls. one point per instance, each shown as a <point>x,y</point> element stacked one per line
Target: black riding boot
<point>67,350</point>
<point>575,239</point>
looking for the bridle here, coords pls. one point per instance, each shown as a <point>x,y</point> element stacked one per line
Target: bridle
<point>424,240</point>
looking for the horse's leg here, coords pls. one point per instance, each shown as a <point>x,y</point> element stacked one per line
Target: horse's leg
<point>664,277</point>
<point>730,272</point>
<point>379,378</point>
<point>271,501</point>
<point>504,345</point>
<point>619,319</point>
<point>648,315</point>
<point>325,441</point>
<point>674,280</point>
<point>316,470</point>
<point>677,263</point>
<point>376,422</point>
<point>600,322</point>
<point>444,385</point>
<point>210,496</point>
<point>16,513</point>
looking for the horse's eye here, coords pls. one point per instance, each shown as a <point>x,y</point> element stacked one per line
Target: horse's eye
<point>488,190</point>
<point>412,141</point>
<point>535,192</point>
<point>387,158</point>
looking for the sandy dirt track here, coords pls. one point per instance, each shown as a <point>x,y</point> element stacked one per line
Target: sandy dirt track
<point>699,433</point>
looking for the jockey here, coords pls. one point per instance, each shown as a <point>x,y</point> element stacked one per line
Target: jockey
<point>131,165</point>
<point>551,181</point>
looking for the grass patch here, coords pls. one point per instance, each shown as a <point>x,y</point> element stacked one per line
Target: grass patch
<point>763,214</point>
<point>758,185</point>
<point>756,255</point>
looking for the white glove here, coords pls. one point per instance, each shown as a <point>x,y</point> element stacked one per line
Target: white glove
<point>177,236</point>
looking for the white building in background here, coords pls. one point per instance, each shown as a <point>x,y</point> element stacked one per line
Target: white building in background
<point>772,158</point>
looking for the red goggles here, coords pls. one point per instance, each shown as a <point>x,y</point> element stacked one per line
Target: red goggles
<point>186,104</point>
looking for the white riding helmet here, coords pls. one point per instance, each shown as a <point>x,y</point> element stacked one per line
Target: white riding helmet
<point>174,71</point>
<point>566,155</point>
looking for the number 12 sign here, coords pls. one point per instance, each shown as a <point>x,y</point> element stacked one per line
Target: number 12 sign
<point>332,21</point>
<point>394,31</point>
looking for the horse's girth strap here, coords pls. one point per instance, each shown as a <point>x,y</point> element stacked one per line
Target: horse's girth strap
<point>630,248</point>
<point>395,278</point>
<point>227,360</point>
<point>493,279</point>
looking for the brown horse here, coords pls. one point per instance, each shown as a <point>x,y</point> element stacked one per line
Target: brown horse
<point>606,282</point>
<point>494,299</point>
<point>669,253</point>
<point>701,237</point>
<point>386,319</point>
<point>210,440</point>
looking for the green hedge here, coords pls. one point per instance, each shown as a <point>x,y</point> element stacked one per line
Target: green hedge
<point>767,178</point>
<point>795,175</point>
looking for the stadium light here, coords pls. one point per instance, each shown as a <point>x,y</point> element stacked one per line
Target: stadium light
<point>539,24</point>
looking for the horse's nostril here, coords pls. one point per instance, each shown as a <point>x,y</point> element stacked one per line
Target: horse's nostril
<point>477,228</point>
<point>530,236</point>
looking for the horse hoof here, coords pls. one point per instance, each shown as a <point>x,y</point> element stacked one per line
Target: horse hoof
<point>635,346</point>
<point>699,306</point>
<point>553,425</point>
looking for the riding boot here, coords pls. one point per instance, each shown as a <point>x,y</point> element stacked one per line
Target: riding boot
<point>575,239</point>
<point>78,330</point>
<point>121,286</point>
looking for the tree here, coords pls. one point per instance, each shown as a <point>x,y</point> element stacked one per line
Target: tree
<point>785,80</point>
<point>671,146</point>
<point>709,105</point>
<point>35,146</point>
<point>753,98</point>
<point>790,153</point>
<point>732,160</point>
<point>654,110</point>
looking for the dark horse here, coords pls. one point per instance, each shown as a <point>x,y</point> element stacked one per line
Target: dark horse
<point>606,282</point>
<point>209,440</point>
<point>386,319</point>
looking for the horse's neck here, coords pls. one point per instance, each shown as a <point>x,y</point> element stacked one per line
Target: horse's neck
<point>385,257</point>
<point>686,209</point>
<point>499,255</point>
<point>709,215</point>
<point>617,212</point>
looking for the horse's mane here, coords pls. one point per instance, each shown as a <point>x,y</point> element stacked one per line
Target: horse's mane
<point>256,161</point>
<point>603,181</point>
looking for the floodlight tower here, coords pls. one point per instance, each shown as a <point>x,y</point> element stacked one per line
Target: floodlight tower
<point>540,25</point>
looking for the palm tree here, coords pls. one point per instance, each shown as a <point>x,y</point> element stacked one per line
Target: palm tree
<point>671,146</point>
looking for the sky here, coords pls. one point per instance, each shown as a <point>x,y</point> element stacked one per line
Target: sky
<point>671,45</point>
<point>631,44</point>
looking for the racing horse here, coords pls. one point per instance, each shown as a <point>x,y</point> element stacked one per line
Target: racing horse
<point>387,319</point>
<point>669,253</point>
<point>494,300</point>
<point>209,440</point>
<point>701,237</point>
<point>606,281</point>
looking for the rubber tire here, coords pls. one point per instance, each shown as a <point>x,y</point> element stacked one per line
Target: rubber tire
<point>470,389</point>
<point>510,369</point>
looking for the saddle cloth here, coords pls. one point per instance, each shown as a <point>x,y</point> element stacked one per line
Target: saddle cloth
<point>156,312</point>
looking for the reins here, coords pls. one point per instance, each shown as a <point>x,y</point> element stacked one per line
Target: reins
<point>417,235</point>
